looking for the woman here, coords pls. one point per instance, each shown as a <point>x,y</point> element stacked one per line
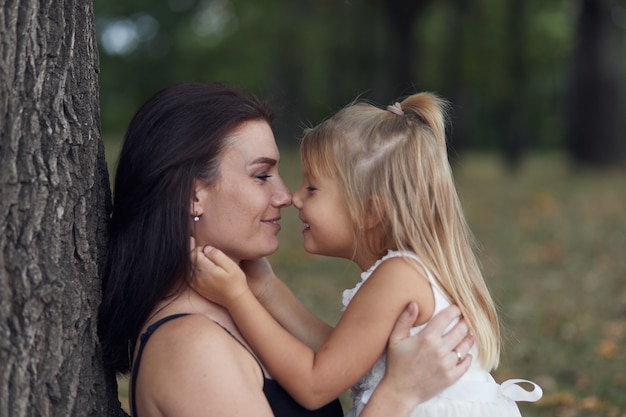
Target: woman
<point>201,161</point>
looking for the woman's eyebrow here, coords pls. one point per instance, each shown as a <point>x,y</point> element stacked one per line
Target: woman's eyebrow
<point>264,160</point>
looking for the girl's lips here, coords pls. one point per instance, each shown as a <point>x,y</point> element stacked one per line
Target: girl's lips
<point>306,225</point>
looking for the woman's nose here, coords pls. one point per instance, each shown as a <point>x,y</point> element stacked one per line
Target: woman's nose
<point>282,196</point>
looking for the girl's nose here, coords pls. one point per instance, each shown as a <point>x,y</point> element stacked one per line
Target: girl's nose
<point>296,199</point>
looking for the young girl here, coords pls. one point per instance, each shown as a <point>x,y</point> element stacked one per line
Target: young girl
<point>378,190</point>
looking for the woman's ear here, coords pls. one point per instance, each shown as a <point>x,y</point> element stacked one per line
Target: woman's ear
<point>198,198</point>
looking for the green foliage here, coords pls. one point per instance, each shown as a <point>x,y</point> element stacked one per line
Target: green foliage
<point>552,244</point>
<point>312,57</point>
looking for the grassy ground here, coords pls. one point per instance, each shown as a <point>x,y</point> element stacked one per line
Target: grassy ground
<point>553,246</point>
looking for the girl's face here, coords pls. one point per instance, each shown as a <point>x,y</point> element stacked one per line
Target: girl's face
<point>240,213</point>
<point>328,227</point>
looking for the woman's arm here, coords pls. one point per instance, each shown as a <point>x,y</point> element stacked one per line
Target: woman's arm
<point>283,305</point>
<point>314,378</point>
<point>420,366</point>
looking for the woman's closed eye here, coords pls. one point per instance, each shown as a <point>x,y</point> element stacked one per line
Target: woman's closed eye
<point>263,177</point>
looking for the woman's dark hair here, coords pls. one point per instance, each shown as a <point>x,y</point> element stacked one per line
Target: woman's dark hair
<point>176,136</point>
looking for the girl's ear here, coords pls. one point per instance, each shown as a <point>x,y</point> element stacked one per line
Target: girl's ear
<point>375,212</point>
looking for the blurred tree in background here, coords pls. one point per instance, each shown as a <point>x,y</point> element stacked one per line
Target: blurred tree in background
<point>521,74</point>
<point>596,106</point>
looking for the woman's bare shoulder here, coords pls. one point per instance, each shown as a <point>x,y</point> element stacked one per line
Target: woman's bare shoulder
<point>191,362</point>
<point>194,336</point>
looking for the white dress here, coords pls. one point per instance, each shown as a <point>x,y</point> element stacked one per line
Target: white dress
<point>476,394</point>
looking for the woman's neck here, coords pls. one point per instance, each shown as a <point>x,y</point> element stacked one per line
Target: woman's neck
<point>186,300</point>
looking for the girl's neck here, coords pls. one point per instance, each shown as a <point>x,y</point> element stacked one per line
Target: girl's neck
<point>365,261</point>
<point>364,257</point>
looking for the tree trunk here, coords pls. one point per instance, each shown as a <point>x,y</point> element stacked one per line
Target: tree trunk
<point>459,133</point>
<point>54,204</point>
<point>596,93</point>
<point>513,124</point>
<point>401,15</point>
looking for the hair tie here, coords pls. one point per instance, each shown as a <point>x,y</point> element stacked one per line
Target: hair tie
<point>396,108</point>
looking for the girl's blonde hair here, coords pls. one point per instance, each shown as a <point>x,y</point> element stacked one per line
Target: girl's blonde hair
<point>393,164</point>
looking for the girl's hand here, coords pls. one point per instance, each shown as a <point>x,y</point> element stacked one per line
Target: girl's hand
<point>217,277</point>
<point>261,278</point>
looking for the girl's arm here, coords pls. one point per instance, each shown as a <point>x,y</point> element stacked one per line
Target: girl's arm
<point>315,378</point>
<point>283,305</point>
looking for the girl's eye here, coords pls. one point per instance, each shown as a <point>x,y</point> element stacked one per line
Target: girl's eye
<point>264,177</point>
<point>310,188</point>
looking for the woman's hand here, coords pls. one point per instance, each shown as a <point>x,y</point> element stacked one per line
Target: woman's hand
<point>420,366</point>
<point>217,277</point>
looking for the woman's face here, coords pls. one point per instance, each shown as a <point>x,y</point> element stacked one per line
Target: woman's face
<point>240,213</point>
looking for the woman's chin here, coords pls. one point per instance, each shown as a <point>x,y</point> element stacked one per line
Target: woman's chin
<point>268,249</point>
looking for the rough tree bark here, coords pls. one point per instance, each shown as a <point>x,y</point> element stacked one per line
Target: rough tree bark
<point>54,201</point>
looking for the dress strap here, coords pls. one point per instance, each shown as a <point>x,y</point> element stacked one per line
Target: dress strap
<point>143,340</point>
<point>245,347</point>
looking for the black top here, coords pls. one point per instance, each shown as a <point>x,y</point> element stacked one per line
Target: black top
<point>282,404</point>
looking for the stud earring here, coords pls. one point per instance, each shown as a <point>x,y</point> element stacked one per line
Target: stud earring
<point>196,218</point>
